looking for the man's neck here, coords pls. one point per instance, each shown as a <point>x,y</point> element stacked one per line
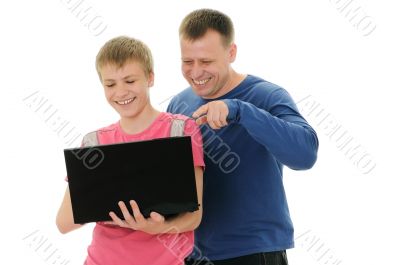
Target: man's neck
<point>234,80</point>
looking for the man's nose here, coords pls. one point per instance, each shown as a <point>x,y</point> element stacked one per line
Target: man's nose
<point>197,71</point>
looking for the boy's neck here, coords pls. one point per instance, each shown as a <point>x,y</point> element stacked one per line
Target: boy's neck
<point>139,123</point>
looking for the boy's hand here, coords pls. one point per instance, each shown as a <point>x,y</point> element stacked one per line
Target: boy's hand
<point>152,225</point>
<point>215,113</point>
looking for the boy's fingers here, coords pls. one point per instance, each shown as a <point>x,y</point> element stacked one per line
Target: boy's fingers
<point>108,223</point>
<point>156,217</point>
<point>136,212</point>
<point>116,219</point>
<point>127,215</point>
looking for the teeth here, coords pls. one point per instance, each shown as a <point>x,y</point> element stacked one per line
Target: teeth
<point>124,102</point>
<point>201,82</point>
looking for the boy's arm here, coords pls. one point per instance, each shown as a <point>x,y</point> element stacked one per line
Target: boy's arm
<point>156,224</point>
<point>65,219</point>
<point>191,220</point>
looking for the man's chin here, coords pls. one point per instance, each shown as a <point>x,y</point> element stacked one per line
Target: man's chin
<point>202,92</point>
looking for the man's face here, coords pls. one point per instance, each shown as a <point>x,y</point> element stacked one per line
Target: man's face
<point>126,88</point>
<point>206,64</point>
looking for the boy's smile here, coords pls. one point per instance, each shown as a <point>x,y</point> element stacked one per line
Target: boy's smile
<point>125,102</point>
<point>127,88</point>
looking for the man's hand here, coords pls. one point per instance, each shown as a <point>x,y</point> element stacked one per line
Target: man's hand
<point>214,113</point>
<point>155,224</point>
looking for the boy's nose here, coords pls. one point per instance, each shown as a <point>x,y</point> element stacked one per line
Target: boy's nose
<point>121,92</point>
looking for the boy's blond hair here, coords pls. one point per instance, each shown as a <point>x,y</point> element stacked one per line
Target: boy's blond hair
<point>120,50</point>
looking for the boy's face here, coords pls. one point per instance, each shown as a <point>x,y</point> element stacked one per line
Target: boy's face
<point>126,88</point>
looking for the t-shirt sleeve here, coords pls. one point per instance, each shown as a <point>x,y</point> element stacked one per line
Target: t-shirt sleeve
<point>193,130</point>
<point>87,140</point>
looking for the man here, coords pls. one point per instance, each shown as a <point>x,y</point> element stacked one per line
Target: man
<point>251,128</point>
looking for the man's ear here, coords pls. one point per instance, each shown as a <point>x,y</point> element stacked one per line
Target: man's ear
<point>150,79</point>
<point>232,52</point>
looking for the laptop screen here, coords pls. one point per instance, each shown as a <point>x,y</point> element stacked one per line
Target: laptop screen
<point>158,174</point>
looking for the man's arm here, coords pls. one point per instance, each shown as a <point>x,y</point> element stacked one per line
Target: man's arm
<point>281,129</point>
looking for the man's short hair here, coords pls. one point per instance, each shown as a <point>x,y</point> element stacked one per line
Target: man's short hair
<point>198,22</point>
<point>120,50</point>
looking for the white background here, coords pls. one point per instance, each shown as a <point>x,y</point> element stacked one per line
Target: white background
<point>308,47</point>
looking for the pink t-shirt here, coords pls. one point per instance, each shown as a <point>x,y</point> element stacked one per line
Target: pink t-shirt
<point>121,246</point>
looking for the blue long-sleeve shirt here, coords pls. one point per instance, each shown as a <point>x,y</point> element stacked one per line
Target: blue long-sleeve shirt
<point>245,209</point>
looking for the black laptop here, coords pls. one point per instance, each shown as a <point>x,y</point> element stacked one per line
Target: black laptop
<point>158,174</point>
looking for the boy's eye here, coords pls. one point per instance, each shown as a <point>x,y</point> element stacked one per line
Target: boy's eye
<point>110,85</point>
<point>130,81</point>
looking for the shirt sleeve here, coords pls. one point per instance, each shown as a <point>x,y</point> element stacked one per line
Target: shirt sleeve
<point>193,130</point>
<point>88,140</point>
<point>279,127</point>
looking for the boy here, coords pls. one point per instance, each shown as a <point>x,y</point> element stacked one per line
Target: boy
<point>125,68</point>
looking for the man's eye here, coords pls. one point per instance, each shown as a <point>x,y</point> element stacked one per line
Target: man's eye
<point>130,81</point>
<point>207,62</point>
<point>187,62</point>
<point>110,85</point>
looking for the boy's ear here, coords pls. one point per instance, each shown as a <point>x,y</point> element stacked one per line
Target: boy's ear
<point>150,80</point>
